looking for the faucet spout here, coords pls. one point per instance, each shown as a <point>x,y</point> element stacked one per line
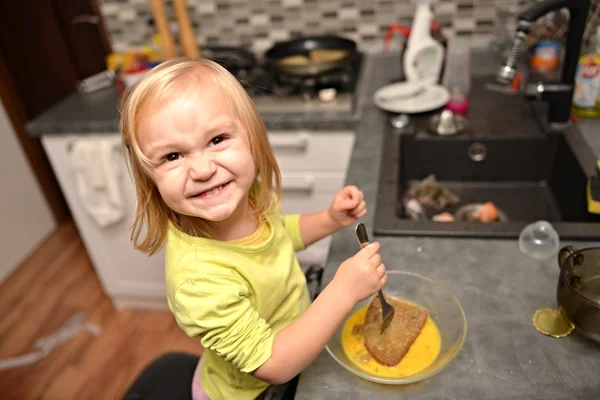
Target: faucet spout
<point>559,111</point>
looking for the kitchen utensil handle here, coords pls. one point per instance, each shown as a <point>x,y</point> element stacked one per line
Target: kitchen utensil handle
<point>363,240</point>
<point>361,235</point>
<point>167,44</point>
<point>186,33</point>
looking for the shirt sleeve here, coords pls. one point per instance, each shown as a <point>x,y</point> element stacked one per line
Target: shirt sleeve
<point>216,308</point>
<point>292,226</point>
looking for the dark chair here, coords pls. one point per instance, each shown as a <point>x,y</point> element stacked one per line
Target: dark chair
<point>169,377</point>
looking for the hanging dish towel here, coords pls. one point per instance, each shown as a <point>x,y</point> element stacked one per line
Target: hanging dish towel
<point>97,165</point>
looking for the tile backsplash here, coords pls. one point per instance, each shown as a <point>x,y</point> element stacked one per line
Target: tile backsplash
<point>257,24</point>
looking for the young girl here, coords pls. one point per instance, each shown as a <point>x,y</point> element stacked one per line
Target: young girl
<point>208,185</point>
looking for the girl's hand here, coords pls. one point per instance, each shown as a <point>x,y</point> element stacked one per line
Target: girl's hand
<point>362,275</point>
<point>348,206</point>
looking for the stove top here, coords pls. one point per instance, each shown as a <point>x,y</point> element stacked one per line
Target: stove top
<point>275,92</point>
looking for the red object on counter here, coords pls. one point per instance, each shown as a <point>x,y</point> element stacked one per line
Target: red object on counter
<point>574,119</point>
<point>404,31</point>
<point>516,83</point>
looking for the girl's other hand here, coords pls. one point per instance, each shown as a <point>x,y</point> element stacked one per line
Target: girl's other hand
<point>347,206</point>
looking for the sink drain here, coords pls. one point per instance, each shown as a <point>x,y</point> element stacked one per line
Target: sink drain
<point>477,151</point>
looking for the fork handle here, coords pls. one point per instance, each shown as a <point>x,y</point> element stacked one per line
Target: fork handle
<point>361,235</point>
<point>363,240</point>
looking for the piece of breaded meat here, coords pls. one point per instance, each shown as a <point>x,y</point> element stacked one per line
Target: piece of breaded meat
<point>390,347</point>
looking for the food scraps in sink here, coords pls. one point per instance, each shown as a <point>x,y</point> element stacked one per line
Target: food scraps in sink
<point>430,199</point>
<point>486,212</point>
<point>411,343</point>
<point>427,197</point>
<point>431,194</point>
<point>444,217</point>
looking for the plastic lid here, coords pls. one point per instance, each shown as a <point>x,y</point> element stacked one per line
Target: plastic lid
<point>539,240</point>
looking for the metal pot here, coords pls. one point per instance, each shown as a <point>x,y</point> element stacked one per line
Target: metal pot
<point>578,291</point>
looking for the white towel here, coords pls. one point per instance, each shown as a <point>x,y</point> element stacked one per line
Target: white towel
<point>97,164</point>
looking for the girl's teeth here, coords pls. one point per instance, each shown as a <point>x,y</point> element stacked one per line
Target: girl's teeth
<point>215,190</point>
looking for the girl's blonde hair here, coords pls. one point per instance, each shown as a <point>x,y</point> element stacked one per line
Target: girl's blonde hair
<point>173,78</point>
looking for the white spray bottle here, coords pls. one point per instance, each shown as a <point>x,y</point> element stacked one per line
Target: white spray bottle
<point>423,57</point>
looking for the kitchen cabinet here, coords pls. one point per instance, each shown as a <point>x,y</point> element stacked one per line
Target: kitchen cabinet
<point>131,278</point>
<point>313,167</point>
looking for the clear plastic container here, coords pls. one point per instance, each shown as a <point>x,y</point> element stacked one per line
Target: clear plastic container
<point>457,74</point>
<point>457,71</point>
<point>539,240</point>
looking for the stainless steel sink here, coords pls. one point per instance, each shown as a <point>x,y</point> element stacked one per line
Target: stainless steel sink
<point>529,173</point>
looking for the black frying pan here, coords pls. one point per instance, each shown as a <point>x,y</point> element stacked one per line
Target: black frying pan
<point>304,47</point>
<point>234,59</point>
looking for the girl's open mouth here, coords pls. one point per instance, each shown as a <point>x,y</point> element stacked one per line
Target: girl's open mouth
<point>213,192</point>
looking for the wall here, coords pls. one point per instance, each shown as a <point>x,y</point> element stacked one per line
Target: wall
<point>257,24</point>
<point>25,218</point>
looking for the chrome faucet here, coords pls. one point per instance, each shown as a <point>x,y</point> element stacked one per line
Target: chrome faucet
<point>558,95</point>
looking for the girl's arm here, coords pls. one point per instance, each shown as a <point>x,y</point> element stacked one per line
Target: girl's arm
<point>316,226</point>
<point>348,206</point>
<point>298,344</point>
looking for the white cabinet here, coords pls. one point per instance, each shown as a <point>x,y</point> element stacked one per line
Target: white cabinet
<point>313,167</point>
<point>129,277</point>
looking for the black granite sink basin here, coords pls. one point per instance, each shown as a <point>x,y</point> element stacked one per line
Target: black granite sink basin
<point>528,173</point>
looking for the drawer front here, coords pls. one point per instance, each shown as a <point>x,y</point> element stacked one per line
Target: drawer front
<point>311,150</point>
<point>306,192</point>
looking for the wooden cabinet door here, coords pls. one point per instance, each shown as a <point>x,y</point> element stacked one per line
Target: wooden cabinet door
<point>45,48</point>
<point>47,51</point>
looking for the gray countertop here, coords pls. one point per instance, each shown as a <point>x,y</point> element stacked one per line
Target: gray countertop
<point>98,112</point>
<point>498,287</point>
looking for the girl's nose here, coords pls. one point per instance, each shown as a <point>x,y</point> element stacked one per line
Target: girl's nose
<point>201,167</point>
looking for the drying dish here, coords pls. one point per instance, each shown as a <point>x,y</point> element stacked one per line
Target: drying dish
<point>445,312</point>
<point>404,97</point>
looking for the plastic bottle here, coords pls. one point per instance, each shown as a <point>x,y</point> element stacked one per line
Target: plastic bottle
<point>586,98</point>
<point>457,74</point>
<point>424,55</point>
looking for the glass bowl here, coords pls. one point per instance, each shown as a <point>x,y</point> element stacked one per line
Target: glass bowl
<point>444,310</point>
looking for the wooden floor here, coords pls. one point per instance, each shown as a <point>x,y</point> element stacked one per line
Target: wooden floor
<point>52,285</point>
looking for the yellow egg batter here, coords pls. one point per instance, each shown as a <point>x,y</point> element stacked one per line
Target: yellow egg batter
<point>420,355</point>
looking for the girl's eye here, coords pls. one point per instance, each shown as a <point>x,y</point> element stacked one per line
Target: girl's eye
<point>216,140</point>
<point>172,157</point>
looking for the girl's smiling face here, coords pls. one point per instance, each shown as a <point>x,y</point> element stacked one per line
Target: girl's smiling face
<point>203,166</point>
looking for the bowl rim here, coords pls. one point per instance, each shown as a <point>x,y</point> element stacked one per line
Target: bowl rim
<point>400,381</point>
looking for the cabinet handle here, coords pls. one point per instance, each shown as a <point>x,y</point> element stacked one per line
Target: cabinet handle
<point>300,184</point>
<point>297,142</point>
<point>71,143</point>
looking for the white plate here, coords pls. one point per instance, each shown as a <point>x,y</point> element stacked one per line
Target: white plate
<point>400,101</point>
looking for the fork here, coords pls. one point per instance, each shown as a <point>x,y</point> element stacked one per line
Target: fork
<point>387,311</point>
